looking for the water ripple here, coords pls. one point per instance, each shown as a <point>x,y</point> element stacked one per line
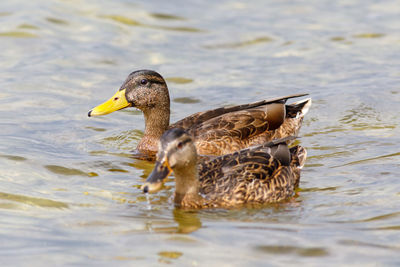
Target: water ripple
<point>33,201</point>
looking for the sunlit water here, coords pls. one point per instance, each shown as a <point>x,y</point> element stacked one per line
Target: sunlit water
<point>70,191</point>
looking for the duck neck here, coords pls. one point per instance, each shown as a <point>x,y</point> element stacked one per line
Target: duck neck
<point>187,183</point>
<point>156,123</point>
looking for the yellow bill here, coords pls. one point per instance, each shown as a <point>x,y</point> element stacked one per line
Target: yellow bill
<point>117,102</point>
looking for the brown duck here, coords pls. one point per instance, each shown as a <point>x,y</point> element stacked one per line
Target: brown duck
<point>262,174</point>
<point>216,132</point>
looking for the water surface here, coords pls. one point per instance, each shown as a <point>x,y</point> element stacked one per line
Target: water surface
<point>70,191</point>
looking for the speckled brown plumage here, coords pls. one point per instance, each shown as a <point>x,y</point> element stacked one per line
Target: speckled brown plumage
<point>262,174</point>
<point>225,130</point>
<point>216,132</point>
<point>253,176</point>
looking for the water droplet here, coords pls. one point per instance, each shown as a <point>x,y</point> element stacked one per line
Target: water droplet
<point>148,201</point>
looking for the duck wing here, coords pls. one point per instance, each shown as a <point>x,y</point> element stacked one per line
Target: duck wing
<point>230,178</point>
<point>268,155</point>
<point>224,130</point>
<point>265,173</point>
<point>201,117</point>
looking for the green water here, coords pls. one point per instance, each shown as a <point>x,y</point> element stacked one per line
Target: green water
<point>70,191</point>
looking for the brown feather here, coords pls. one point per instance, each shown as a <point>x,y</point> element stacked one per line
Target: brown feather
<point>253,175</point>
<point>218,131</point>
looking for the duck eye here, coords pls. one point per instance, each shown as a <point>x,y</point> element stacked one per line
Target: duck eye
<point>143,81</point>
<point>180,145</point>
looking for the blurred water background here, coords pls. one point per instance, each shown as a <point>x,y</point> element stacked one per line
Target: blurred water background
<point>70,192</point>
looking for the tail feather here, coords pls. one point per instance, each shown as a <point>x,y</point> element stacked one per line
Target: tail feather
<point>302,156</point>
<point>299,155</point>
<point>298,109</point>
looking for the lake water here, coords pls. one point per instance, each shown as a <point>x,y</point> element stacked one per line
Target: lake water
<point>70,191</point>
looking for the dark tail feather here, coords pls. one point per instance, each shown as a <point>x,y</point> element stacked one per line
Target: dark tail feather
<point>299,108</point>
<point>277,148</point>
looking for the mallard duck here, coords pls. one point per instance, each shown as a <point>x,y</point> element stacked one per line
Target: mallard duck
<point>216,132</point>
<point>261,174</point>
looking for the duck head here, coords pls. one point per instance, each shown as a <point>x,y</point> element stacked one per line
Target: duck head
<point>176,152</point>
<point>143,89</point>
